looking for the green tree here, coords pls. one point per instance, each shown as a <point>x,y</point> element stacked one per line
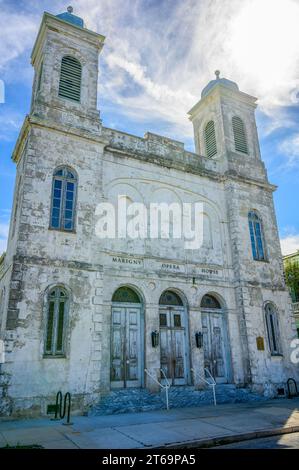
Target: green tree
<point>292,279</point>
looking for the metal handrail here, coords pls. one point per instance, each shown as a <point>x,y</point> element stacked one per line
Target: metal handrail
<point>165,387</point>
<point>211,384</point>
<point>166,379</point>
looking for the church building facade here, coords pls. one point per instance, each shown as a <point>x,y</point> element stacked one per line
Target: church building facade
<point>88,315</point>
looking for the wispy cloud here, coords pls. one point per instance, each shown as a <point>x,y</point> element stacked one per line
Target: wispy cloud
<point>10,123</point>
<point>290,148</point>
<point>160,54</point>
<point>4,228</point>
<point>18,32</point>
<point>289,244</point>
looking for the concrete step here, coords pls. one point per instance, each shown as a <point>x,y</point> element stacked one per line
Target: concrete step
<point>140,399</point>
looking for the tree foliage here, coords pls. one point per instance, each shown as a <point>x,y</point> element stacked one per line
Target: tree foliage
<point>292,279</point>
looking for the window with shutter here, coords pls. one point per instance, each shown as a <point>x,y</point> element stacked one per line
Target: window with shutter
<point>239,135</point>
<point>70,79</point>
<point>210,139</point>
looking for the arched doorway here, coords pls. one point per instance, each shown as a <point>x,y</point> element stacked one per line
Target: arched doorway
<point>173,338</point>
<point>215,341</point>
<point>126,339</point>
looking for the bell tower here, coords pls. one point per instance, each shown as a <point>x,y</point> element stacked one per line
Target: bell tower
<point>225,128</point>
<point>65,60</point>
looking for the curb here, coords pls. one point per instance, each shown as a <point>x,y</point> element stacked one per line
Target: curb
<point>218,441</point>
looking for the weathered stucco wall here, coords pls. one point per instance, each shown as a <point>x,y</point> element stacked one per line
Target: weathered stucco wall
<point>109,163</point>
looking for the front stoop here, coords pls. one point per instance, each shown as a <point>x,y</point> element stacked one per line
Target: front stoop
<point>138,399</point>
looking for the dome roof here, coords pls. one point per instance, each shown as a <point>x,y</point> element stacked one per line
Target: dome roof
<point>70,18</point>
<point>219,81</point>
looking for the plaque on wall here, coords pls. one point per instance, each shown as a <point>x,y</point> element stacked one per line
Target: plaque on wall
<point>260,343</point>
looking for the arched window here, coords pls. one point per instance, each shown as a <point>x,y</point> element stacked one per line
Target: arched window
<point>70,78</point>
<point>239,135</point>
<point>256,236</point>
<point>170,298</point>
<point>210,302</point>
<point>210,139</point>
<point>57,306</point>
<point>63,199</point>
<point>126,294</point>
<point>272,329</point>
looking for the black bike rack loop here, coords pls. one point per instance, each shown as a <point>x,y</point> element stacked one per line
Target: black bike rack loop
<point>60,411</point>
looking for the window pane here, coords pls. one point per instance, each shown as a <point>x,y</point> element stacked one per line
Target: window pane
<point>252,239</point>
<point>68,224</point>
<point>60,325</point>
<point>259,240</point>
<point>68,214</point>
<point>55,222</point>
<point>163,319</point>
<point>55,212</point>
<point>69,195</point>
<point>177,320</point>
<point>50,322</point>
<point>272,328</point>
<point>62,215</point>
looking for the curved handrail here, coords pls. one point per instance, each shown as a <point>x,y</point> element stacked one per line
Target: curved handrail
<point>209,373</point>
<point>166,379</point>
<point>211,384</point>
<point>164,387</point>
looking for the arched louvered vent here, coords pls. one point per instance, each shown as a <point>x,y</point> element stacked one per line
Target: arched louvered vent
<point>70,78</point>
<point>239,135</point>
<point>210,138</point>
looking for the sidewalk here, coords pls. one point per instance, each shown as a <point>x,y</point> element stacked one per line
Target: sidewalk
<point>204,427</point>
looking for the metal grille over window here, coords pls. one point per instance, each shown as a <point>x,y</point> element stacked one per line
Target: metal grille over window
<point>239,135</point>
<point>70,79</point>
<point>56,320</point>
<point>256,236</point>
<point>210,139</point>
<point>63,199</point>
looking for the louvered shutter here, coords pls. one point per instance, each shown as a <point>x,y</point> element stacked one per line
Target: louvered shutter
<point>70,78</point>
<point>239,135</point>
<point>210,138</point>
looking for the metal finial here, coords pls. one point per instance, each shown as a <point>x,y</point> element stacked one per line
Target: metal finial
<point>217,73</point>
<point>70,9</point>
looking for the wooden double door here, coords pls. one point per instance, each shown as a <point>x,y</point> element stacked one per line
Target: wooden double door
<point>173,342</point>
<point>126,346</point>
<point>215,345</point>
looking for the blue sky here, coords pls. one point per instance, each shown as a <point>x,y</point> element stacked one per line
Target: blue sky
<point>158,56</point>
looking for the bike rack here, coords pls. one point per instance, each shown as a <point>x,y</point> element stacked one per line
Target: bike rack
<point>60,411</point>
